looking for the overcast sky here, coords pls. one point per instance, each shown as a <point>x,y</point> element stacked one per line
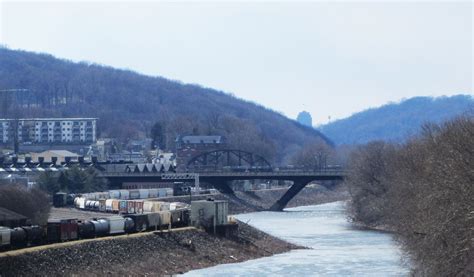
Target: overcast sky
<point>329,58</point>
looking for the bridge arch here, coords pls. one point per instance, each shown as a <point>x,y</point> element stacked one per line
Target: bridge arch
<point>229,159</point>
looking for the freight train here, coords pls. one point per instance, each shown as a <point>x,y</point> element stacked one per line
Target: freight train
<point>62,199</point>
<point>56,231</point>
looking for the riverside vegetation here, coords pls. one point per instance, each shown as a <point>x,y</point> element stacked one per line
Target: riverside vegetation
<point>422,190</point>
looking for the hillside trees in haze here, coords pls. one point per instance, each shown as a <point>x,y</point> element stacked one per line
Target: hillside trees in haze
<point>396,122</point>
<point>423,190</point>
<point>129,104</point>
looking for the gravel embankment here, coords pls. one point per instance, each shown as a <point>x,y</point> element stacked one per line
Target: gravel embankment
<point>152,255</point>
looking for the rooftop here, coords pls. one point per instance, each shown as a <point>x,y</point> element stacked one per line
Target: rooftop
<point>59,153</point>
<point>6,214</point>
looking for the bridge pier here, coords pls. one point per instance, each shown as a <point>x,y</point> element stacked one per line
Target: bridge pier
<point>281,203</point>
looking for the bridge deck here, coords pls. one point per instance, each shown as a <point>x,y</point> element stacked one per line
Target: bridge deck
<point>223,174</point>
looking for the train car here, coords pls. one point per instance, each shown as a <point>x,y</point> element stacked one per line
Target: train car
<point>34,234</point>
<point>129,225</point>
<point>135,207</point>
<point>151,206</point>
<point>80,203</point>
<point>103,195</point>
<point>18,237</point>
<point>62,230</point>
<point>108,205</point>
<point>60,199</point>
<point>159,220</point>
<point>101,227</point>
<point>124,194</point>
<point>123,206</point>
<point>70,199</point>
<point>180,217</point>
<point>154,221</point>
<point>134,194</point>
<point>162,192</point>
<point>102,205</point>
<point>165,206</point>
<point>5,237</point>
<point>144,193</point>
<point>116,225</point>
<point>88,205</point>
<point>86,229</point>
<point>153,193</point>
<point>140,220</point>
<point>116,206</point>
<point>114,194</point>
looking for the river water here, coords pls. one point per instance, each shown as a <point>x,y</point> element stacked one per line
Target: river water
<point>337,249</point>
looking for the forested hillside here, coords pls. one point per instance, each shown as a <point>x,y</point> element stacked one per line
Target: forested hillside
<point>128,105</point>
<point>396,122</point>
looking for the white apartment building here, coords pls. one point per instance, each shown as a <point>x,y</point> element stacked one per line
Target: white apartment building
<point>49,130</point>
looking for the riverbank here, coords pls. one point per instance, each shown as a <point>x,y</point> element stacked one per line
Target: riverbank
<point>149,254</point>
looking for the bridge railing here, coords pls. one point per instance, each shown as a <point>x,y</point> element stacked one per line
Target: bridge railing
<point>325,172</point>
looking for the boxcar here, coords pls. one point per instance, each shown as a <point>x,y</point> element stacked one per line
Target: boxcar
<point>62,230</point>
<point>131,207</point>
<point>59,199</point>
<point>124,194</point>
<point>180,217</point>
<point>153,193</point>
<point>140,220</point>
<point>144,193</point>
<point>123,206</point>
<point>151,206</point>
<point>116,206</point>
<point>115,194</point>
<point>134,194</point>
<point>108,205</point>
<point>162,192</point>
<point>116,225</point>
<point>102,205</point>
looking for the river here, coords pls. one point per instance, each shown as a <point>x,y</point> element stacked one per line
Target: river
<point>337,249</point>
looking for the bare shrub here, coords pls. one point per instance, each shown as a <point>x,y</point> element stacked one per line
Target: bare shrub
<point>34,204</point>
<point>424,191</point>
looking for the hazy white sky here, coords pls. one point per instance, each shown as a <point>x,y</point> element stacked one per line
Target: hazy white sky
<point>329,58</point>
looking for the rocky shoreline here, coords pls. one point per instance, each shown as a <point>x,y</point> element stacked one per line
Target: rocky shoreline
<point>150,255</point>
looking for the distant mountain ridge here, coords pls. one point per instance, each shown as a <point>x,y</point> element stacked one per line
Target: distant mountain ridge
<point>129,104</point>
<point>396,121</point>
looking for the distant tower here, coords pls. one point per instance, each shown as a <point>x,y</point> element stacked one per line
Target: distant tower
<point>304,118</point>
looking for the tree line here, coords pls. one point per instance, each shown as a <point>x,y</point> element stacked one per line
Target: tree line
<point>423,190</point>
<point>33,204</point>
<point>129,105</point>
<point>73,180</point>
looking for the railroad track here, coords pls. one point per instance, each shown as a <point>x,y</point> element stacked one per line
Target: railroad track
<point>17,252</point>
